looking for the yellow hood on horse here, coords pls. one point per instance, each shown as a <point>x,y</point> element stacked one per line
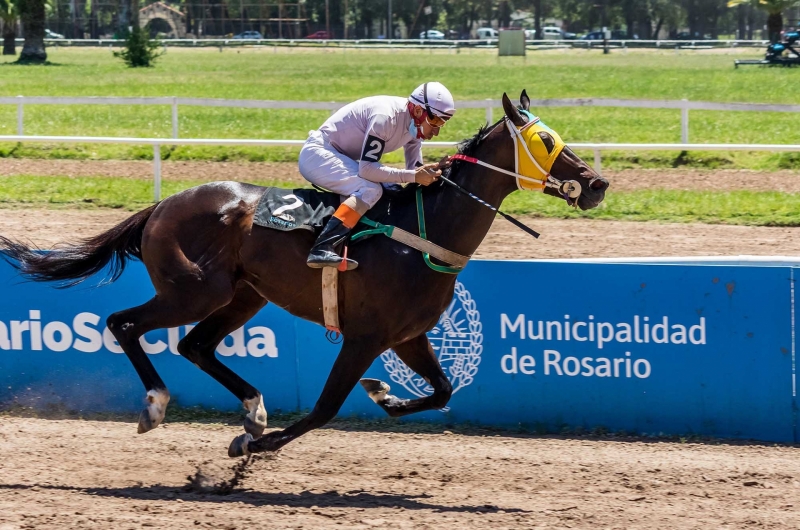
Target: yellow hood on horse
<point>531,157</point>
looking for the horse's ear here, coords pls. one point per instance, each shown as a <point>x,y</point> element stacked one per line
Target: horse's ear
<point>524,100</point>
<point>512,112</point>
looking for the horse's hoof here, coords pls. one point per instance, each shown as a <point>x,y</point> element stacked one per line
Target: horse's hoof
<point>255,428</point>
<point>238,446</point>
<point>376,389</point>
<point>145,422</point>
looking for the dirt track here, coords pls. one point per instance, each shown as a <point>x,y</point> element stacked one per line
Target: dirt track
<point>82,474</point>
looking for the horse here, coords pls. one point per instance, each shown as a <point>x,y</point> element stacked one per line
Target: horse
<point>209,264</point>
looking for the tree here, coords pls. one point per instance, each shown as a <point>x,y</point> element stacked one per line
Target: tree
<point>31,13</point>
<point>665,13</point>
<point>9,15</point>
<point>139,50</point>
<point>774,9</point>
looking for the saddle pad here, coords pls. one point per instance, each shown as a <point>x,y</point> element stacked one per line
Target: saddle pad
<point>286,210</point>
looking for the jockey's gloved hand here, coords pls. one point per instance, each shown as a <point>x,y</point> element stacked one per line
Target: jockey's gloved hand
<point>427,174</point>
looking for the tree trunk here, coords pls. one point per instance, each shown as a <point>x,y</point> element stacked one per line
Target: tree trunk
<point>8,39</point>
<point>537,18</point>
<point>93,29</point>
<point>503,14</point>
<point>32,14</point>
<point>124,18</point>
<point>630,19</point>
<point>134,13</point>
<point>658,28</point>
<point>741,20</point>
<point>774,26</point>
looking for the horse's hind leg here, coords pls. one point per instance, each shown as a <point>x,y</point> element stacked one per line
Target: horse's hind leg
<point>162,311</point>
<point>418,354</point>
<point>199,345</point>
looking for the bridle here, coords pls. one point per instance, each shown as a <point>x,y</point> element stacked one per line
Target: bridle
<point>569,190</point>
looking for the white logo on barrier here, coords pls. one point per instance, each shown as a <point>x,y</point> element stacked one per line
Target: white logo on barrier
<point>458,342</point>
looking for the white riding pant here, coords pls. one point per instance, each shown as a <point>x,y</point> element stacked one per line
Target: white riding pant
<point>321,164</point>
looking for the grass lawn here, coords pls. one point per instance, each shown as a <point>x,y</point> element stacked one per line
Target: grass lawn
<point>737,207</point>
<point>296,74</point>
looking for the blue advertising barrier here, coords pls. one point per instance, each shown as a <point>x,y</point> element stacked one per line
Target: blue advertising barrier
<point>644,348</point>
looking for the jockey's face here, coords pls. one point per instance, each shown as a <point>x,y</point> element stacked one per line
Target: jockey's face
<point>428,130</point>
<point>427,127</point>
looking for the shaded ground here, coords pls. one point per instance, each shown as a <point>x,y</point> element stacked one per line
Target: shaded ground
<point>85,474</point>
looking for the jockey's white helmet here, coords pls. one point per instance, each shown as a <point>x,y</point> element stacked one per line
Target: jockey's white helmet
<point>435,99</point>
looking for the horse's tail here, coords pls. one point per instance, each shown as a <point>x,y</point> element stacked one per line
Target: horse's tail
<point>72,264</point>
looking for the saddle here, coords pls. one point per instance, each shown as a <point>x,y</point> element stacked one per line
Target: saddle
<point>309,209</point>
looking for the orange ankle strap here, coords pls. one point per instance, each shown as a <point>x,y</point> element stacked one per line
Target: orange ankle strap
<point>347,216</point>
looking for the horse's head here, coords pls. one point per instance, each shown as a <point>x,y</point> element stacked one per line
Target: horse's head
<point>545,162</point>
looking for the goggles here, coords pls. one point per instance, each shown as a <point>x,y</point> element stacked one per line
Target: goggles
<point>434,120</point>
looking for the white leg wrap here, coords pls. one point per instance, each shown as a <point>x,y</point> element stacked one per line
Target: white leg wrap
<point>258,412</point>
<point>378,395</point>
<point>157,405</point>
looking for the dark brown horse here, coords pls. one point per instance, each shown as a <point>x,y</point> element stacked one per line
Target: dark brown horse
<point>209,264</point>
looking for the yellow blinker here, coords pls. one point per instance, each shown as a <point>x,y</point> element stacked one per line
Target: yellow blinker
<point>529,144</point>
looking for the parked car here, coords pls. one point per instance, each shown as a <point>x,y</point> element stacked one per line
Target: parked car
<point>52,35</point>
<point>616,34</point>
<point>686,35</point>
<point>431,34</point>
<point>552,33</point>
<point>249,35</point>
<point>322,34</point>
<point>487,33</point>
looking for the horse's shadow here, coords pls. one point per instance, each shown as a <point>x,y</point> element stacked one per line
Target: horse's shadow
<point>304,499</point>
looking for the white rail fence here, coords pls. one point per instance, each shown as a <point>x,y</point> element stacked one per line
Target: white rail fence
<point>488,104</point>
<point>683,105</point>
<point>418,43</point>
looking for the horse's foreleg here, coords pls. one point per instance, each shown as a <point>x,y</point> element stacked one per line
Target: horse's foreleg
<point>418,354</point>
<point>354,358</point>
<point>199,345</point>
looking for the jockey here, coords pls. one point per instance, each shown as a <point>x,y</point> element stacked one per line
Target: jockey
<point>344,156</point>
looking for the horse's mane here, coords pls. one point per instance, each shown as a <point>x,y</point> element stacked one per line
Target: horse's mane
<point>470,145</point>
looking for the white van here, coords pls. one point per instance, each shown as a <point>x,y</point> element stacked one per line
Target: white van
<point>487,33</point>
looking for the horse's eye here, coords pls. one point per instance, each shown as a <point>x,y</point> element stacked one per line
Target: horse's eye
<point>548,141</point>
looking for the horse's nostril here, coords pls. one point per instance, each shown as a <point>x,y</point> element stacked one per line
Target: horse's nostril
<point>598,184</point>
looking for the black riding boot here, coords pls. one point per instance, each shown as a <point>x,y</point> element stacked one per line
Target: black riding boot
<point>325,253</point>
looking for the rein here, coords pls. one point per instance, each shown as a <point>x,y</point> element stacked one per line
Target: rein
<point>510,219</point>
